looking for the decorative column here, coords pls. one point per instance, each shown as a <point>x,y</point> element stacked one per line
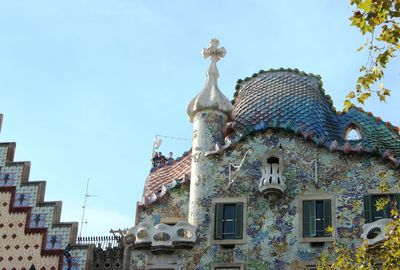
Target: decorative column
<point>209,112</point>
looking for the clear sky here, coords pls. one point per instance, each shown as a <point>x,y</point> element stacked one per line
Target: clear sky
<point>85,85</point>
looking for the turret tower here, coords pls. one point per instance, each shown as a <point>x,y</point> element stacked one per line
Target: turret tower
<point>209,112</point>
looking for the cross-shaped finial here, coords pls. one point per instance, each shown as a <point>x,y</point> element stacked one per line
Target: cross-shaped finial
<point>211,98</point>
<point>213,51</point>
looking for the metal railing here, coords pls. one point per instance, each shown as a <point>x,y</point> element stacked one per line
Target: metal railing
<point>100,241</point>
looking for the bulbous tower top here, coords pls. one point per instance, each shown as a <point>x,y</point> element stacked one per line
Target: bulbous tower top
<point>211,98</point>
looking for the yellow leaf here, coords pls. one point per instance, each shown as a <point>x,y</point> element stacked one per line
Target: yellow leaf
<point>381,203</point>
<point>351,95</point>
<point>366,5</point>
<point>347,105</point>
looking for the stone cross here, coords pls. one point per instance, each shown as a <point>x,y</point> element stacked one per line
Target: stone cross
<point>215,54</point>
<point>213,51</point>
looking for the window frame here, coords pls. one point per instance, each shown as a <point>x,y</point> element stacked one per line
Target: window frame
<point>317,197</point>
<point>226,265</point>
<point>214,203</point>
<point>378,192</point>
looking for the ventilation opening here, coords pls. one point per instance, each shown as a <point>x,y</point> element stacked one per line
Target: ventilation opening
<point>273,160</point>
<point>353,134</point>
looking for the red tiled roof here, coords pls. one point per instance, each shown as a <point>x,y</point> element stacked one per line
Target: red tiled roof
<point>167,174</point>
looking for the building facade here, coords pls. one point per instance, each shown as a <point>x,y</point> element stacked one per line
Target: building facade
<point>273,178</point>
<point>270,182</point>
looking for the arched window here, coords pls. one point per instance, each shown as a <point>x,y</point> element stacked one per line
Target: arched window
<point>352,134</point>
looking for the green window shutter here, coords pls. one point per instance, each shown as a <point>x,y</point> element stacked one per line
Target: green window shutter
<point>367,208</point>
<point>327,216</point>
<point>239,221</point>
<point>219,215</point>
<point>397,198</point>
<point>309,228</point>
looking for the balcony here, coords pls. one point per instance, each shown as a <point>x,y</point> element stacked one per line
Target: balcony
<point>272,182</point>
<point>374,233</point>
<point>163,238</point>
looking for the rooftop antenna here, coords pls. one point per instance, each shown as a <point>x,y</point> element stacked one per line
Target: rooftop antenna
<point>84,206</point>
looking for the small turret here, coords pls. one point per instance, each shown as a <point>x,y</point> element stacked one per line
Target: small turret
<point>209,112</point>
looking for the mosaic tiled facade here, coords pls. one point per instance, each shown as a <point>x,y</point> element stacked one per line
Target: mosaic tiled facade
<point>273,230</point>
<point>30,228</point>
<point>283,114</point>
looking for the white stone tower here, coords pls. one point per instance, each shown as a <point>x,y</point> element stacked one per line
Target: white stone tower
<point>209,112</point>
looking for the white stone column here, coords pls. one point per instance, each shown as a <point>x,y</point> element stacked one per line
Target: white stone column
<point>208,129</point>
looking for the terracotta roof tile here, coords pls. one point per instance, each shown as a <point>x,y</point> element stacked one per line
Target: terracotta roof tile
<point>167,174</point>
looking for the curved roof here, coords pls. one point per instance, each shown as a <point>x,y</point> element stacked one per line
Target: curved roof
<point>296,101</point>
<point>289,100</point>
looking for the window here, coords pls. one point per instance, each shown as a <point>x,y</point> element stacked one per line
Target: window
<point>228,223</point>
<point>371,214</point>
<point>315,218</point>
<point>352,133</point>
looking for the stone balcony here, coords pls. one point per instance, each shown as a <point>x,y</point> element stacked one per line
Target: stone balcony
<point>272,182</point>
<point>374,233</point>
<point>163,238</point>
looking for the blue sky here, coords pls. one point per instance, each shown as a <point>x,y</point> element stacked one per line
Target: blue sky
<point>85,85</point>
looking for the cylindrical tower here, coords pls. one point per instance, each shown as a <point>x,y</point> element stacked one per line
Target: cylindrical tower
<point>209,112</point>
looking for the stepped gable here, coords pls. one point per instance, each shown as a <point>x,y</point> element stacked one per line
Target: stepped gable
<point>166,175</point>
<point>296,101</point>
<point>30,228</point>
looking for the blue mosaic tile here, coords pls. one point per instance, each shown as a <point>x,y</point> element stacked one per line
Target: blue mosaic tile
<point>53,242</point>
<point>296,101</point>
<point>38,221</point>
<point>22,199</point>
<point>74,264</point>
<point>7,179</point>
